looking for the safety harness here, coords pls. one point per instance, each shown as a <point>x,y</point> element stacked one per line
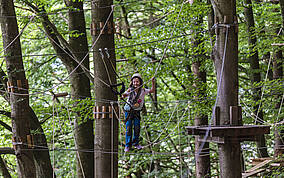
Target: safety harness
<point>132,112</point>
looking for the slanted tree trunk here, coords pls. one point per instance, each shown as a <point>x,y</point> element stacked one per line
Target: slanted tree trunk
<point>4,169</point>
<point>255,74</point>
<point>71,54</point>
<point>80,88</point>
<point>19,98</point>
<point>106,130</point>
<point>225,11</point>
<point>41,154</point>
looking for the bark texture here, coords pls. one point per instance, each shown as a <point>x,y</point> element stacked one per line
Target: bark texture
<point>106,130</point>
<point>19,103</point>
<point>202,160</point>
<point>71,54</point>
<point>41,154</point>
<point>226,47</point>
<point>255,75</point>
<point>4,169</point>
<point>278,74</point>
<point>80,88</point>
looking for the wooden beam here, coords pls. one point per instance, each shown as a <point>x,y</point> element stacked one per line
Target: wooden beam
<point>260,165</point>
<point>192,130</point>
<point>217,116</point>
<point>248,174</point>
<point>229,131</point>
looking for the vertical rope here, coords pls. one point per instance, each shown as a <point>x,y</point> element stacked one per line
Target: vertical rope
<point>76,147</point>
<point>179,142</point>
<point>149,171</point>
<point>112,139</point>
<point>53,156</point>
<point>65,102</point>
<point>188,140</point>
<point>262,89</point>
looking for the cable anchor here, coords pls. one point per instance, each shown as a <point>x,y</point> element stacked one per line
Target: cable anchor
<point>101,52</point>
<point>107,53</point>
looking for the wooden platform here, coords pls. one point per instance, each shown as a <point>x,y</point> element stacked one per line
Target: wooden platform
<point>222,134</point>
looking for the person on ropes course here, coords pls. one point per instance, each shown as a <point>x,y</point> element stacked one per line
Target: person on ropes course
<point>135,101</point>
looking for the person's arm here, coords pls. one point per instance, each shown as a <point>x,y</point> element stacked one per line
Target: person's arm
<point>152,90</point>
<point>125,94</point>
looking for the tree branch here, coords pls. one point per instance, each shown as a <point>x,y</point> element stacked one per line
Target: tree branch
<point>7,150</point>
<point>217,11</point>
<point>3,85</point>
<point>57,40</point>
<point>174,75</point>
<point>6,126</point>
<point>172,91</point>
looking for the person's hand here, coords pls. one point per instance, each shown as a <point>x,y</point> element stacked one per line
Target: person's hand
<point>153,79</point>
<point>124,95</point>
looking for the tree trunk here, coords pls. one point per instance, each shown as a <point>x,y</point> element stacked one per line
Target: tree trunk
<point>126,26</point>
<point>255,74</point>
<point>16,76</point>
<point>41,154</point>
<point>279,131</point>
<point>4,169</point>
<point>278,74</point>
<point>80,89</point>
<point>203,159</point>
<point>227,82</point>
<point>106,130</point>
<point>75,52</point>
<point>282,12</point>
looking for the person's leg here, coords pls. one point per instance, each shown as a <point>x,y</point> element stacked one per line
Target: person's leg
<point>136,130</point>
<point>128,133</point>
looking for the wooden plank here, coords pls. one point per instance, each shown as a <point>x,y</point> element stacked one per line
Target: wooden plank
<point>19,85</point>
<point>260,165</point>
<point>234,115</point>
<point>240,115</point>
<point>256,161</point>
<point>239,130</point>
<point>253,173</point>
<point>110,111</point>
<point>276,165</point>
<point>217,116</point>
<point>192,130</point>
<point>103,112</point>
<point>102,31</point>
<point>229,131</point>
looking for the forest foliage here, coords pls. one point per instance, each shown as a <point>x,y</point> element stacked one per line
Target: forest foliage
<point>158,41</point>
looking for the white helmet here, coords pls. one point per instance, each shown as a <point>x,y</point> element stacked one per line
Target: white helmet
<point>136,75</point>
